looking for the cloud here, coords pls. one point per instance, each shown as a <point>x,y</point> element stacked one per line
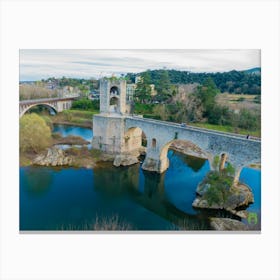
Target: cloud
<point>38,64</point>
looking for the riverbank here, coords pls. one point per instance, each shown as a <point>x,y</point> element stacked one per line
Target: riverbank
<point>84,125</point>
<point>74,117</point>
<point>78,157</point>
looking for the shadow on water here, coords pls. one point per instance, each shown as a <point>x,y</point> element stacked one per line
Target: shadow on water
<point>146,189</point>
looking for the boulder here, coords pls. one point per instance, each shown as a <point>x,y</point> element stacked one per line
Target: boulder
<point>227,224</point>
<point>125,160</point>
<point>242,195</point>
<point>54,157</point>
<point>202,203</point>
<point>242,213</point>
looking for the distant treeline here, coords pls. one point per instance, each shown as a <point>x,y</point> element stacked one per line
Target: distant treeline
<point>247,82</point>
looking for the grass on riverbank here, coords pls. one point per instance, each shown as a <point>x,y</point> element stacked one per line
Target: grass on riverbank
<point>83,157</point>
<point>75,117</point>
<point>101,223</point>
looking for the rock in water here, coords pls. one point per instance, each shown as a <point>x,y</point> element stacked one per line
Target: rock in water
<point>54,157</point>
<point>240,195</point>
<point>125,160</point>
<point>227,224</point>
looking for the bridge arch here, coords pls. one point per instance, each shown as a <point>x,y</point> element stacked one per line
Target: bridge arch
<point>46,105</point>
<point>195,150</point>
<point>238,168</point>
<point>134,138</point>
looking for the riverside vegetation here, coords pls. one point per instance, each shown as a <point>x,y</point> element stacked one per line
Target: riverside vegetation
<point>218,191</point>
<point>37,145</point>
<point>203,107</point>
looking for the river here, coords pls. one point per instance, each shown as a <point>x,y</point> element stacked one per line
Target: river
<point>75,198</point>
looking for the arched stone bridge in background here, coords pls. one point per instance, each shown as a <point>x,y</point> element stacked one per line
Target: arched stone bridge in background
<point>57,104</point>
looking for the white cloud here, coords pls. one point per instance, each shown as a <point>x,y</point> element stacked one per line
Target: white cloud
<point>38,64</point>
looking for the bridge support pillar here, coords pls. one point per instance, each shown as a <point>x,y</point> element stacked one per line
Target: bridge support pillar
<point>155,165</point>
<point>222,162</point>
<point>236,175</point>
<point>108,134</point>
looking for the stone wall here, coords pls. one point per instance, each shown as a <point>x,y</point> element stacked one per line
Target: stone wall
<point>239,150</point>
<point>108,133</point>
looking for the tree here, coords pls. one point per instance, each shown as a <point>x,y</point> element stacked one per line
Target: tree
<point>161,111</point>
<point>207,93</point>
<point>85,104</point>
<point>35,134</point>
<point>248,120</point>
<point>163,86</point>
<point>143,88</point>
<point>220,115</point>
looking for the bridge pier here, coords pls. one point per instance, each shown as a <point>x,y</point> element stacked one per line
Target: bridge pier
<point>236,175</point>
<point>108,131</point>
<point>155,165</point>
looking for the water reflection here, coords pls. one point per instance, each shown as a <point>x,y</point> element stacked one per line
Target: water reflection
<point>66,130</point>
<point>146,189</point>
<point>37,181</point>
<point>154,185</point>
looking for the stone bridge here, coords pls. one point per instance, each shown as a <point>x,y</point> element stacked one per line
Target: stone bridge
<point>234,148</point>
<point>117,132</point>
<point>57,104</point>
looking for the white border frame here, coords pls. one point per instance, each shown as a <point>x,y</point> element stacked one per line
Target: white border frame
<point>156,24</point>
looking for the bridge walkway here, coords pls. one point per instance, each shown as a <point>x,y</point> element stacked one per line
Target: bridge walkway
<point>194,128</point>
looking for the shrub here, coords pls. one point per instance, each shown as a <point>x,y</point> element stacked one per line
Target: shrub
<point>216,162</point>
<point>220,187</point>
<point>213,195</point>
<point>35,134</point>
<point>248,120</point>
<point>68,115</point>
<point>86,104</point>
<point>229,170</point>
<point>48,121</point>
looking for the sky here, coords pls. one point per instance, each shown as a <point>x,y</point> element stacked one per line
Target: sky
<point>44,63</point>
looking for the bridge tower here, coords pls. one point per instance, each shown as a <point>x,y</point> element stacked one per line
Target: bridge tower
<point>112,96</point>
<point>109,125</point>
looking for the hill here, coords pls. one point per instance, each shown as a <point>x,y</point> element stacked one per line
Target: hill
<point>238,82</point>
<point>256,70</point>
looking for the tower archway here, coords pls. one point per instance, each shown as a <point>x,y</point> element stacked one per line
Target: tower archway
<point>114,104</point>
<point>114,91</point>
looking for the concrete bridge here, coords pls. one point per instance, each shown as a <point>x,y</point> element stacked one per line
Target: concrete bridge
<point>119,133</point>
<point>57,104</point>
